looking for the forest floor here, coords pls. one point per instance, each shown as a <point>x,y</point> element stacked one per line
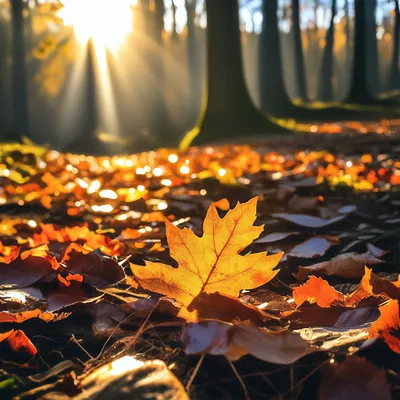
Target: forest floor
<point>320,320</point>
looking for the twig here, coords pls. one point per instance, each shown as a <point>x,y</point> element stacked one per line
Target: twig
<point>246,393</point>
<point>301,381</point>
<point>272,385</point>
<point>76,341</point>
<point>292,380</point>
<point>194,373</point>
<point>250,375</point>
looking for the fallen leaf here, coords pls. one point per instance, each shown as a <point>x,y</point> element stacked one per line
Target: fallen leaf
<point>224,308</point>
<point>347,265</point>
<point>317,290</point>
<point>18,343</point>
<point>26,315</point>
<point>8,253</point>
<point>63,296</point>
<point>311,248</point>
<point>308,221</point>
<point>237,340</point>
<point>211,263</point>
<point>22,273</point>
<point>97,270</point>
<point>387,326</point>
<point>354,378</point>
<point>275,237</point>
<point>373,285</point>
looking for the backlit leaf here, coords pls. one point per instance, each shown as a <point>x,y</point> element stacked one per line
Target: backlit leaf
<point>211,263</point>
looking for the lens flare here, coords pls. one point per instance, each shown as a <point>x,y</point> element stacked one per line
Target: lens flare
<point>107,23</point>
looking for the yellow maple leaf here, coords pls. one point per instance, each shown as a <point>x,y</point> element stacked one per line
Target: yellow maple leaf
<point>211,263</point>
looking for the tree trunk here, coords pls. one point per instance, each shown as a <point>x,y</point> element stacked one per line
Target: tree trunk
<point>19,81</point>
<point>274,98</point>
<point>359,93</point>
<point>298,52</point>
<point>271,68</point>
<point>394,69</point>
<point>194,83</point>
<point>325,86</point>
<point>229,112</point>
<point>348,31</point>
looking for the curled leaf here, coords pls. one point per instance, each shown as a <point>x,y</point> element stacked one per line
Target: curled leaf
<point>348,265</point>
<point>234,341</point>
<point>387,326</point>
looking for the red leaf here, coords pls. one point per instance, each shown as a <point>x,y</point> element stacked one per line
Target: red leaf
<point>19,343</point>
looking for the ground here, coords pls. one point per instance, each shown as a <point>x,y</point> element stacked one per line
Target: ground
<point>71,226</point>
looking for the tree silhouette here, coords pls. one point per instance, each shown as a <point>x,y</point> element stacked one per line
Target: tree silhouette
<point>325,85</point>
<point>19,81</point>
<point>394,79</point>
<point>360,93</point>
<point>272,81</point>
<point>301,82</point>
<point>228,109</point>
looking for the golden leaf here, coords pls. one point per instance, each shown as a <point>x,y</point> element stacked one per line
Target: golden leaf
<point>211,263</point>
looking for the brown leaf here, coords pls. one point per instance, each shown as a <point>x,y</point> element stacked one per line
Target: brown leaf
<point>348,265</point>
<point>308,221</point>
<point>224,308</point>
<point>211,263</point>
<point>354,378</point>
<point>22,273</point>
<point>311,248</point>
<point>97,270</point>
<point>63,296</point>
<point>234,341</point>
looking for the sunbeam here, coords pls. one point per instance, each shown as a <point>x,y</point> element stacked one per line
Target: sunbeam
<point>106,24</point>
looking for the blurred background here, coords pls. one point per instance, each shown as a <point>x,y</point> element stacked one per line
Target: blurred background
<point>134,73</point>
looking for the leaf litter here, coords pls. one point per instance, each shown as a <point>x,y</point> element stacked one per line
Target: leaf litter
<point>170,255</point>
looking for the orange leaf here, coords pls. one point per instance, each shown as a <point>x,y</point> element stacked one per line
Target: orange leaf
<point>317,290</point>
<point>26,315</point>
<point>19,343</point>
<point>211,263</point>
<point>387,326</point>
<point>129,233</point>
<point>8,253</point>
<point>222,204</point>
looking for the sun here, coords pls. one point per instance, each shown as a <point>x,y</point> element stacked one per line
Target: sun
<point>106,22</point>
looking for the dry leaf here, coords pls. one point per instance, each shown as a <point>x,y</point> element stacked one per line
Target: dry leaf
<point>354,378</point>
<point>308,221</point>
<point>18,343</point>
<point>25,272</point>
<point>317,290</point>
<point>275,237</point>
<point>237,340</point>
<point>348,265</point>
<point>211,263</point>
<point>387,326</point>
<point>311,248</point>
<point>26,315</point>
